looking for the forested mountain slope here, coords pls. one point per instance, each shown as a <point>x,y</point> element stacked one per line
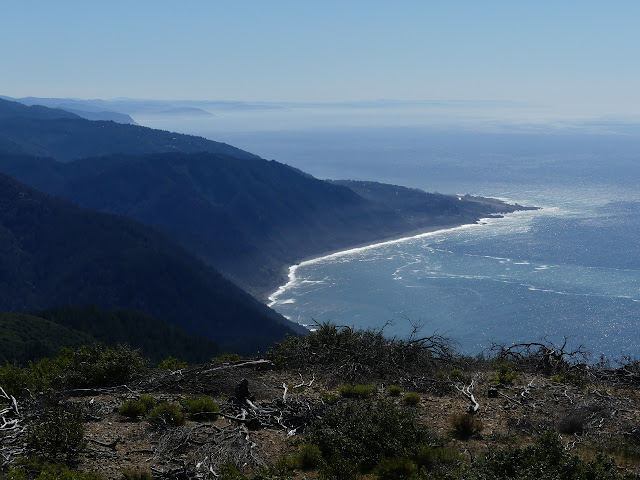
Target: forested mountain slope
<point>249,218</point>
<point>54,253</point>
<point>42,131</point>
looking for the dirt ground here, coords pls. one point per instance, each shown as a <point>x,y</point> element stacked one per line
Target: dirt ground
<point>590,418</point>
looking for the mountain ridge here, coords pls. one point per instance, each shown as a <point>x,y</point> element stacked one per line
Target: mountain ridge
<point>59,254</point>
<point>249,218</point>
<point>42,131</point>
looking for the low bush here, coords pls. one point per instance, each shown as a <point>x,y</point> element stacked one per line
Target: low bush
<point>412,398</point>
<point>166,414</point>
<point>137,408</point>
<point>202,408</point>
<point>571,378</point>
<point>465,425</point>
<point>136,474</point>
<point>16,381</point>
<point>309,457</point>
<point>363,432</point>
<point>227,357</point>
<point>359,355</point>
<point>573,423</point>
<point>338,467</point>
<point>329,398</point>
<point>396,469</point>
<point>441,383</point>
<point>394,390</point>
<point>356,391</point>
<point>59,434</point>
<point>172,363</point>
<point>51,471</point>
<point>506,373</point>
<point>87,367</point>
<point>430,456</point>
<point>547,458</point>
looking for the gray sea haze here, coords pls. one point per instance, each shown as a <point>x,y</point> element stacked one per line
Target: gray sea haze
<point>570,269</point>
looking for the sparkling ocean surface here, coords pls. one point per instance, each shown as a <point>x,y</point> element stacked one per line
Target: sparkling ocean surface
<point>570,269</point>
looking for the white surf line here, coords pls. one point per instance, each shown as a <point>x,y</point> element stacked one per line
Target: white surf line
<point>482,222</point>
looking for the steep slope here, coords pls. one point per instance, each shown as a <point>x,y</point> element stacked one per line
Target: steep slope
<point>53,253</point>
<point>56,133</point>
<point>156,339</point>
<point>26,337</point>
<point>248,218</point>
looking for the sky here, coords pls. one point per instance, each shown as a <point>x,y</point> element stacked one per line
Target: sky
<point>576,56</point>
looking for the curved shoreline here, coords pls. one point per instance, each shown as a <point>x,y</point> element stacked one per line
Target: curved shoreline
<point>420,233</point>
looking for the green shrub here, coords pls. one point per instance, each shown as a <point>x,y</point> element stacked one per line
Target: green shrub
<point>202,408</point>
<point>278,471</point>
<point>227,357</point>
<point>60,433</point>
<point>309,457</point>
<point>465,425</point>
<point>137,408</point>
<point>338,467</point>
<point>172,363</point>
<point>16,381</point>
<point>87,367</point>
<point>442,384</point>
<point>51,471</point>
<point>230,472</point>
<point>329,397</point>
<point>363,432</point>
<point>457,375</point>
<point>547,458</point>
<point>412,398</point>
<point>394,390</point>
<point>136,474</point>
<point>430,456</point>
<point>571,378</point>
<point>16,473</point>
<point>396,469</point>
<point>356,391</point>
<point>166,414</point>
<point>506,373</point>
<point>62,472</point>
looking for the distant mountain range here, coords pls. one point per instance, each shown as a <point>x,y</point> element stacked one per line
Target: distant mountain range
<point>246,217</point>
<point>41,131</point>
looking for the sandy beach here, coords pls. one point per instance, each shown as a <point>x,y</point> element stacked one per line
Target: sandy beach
<point>288,273</point>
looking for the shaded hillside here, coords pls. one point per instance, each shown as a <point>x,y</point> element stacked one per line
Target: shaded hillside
<point>53,253</point>
<point>156,339</point>
<point>416,205</point>
<point>26,337</point>
<point>56,133</point>
<point>249,218</point>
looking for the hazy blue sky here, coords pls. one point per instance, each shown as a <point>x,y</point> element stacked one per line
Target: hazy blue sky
<point>579,56</point>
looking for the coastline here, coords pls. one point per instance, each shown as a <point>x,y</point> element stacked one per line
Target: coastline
<point>288,273</point>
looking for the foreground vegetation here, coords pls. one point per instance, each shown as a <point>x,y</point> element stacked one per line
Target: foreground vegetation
<point>337,404</point>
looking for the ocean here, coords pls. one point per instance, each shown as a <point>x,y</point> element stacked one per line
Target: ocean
<point>569,270</point>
